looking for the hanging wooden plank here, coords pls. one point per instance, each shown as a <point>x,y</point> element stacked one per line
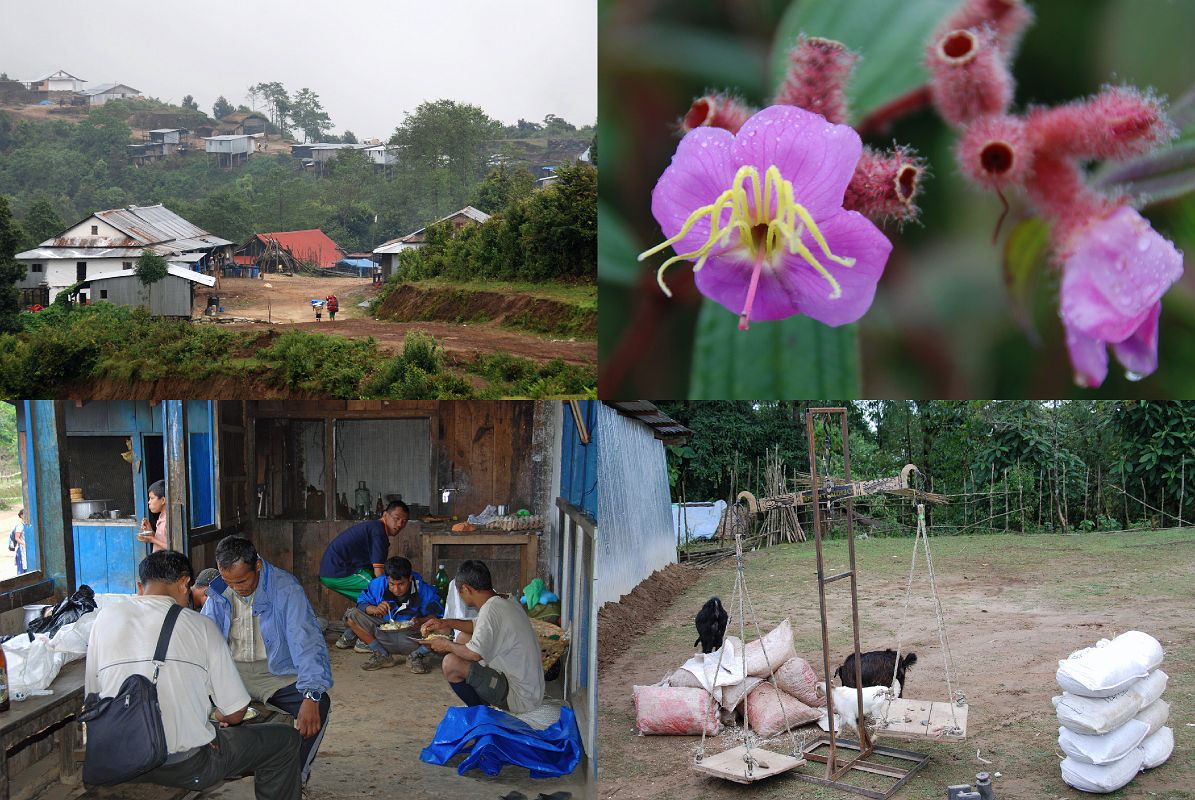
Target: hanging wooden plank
<point>730,765</point>
<point>905,718</point>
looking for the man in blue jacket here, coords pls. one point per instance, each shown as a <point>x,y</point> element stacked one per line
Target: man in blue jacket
<point>358,554</point>
<point>276,643</point>
<point>401,595</point>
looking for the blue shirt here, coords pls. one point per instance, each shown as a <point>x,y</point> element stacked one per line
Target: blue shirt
<point>358,547</point>
<point>423,601</point>
<point>295,644</point>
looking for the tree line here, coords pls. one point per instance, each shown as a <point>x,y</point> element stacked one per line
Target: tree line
<point>58,172</point>
<point>1023,465</point>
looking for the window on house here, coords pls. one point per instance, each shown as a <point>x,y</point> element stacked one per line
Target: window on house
<point>103,294</point>
<point>389,459</point>
<point>95,230</point>
<point>80,270</point>
<point>36,268</point>
<point>128,265</point>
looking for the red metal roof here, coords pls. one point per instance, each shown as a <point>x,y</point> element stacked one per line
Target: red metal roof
<point>247,261</point>
<point>312,245</point>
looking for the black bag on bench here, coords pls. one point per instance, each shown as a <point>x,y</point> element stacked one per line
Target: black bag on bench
<point>125,737</point>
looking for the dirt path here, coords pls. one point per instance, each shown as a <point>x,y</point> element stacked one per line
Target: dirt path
<point>1007,629</point>
<point>289,306</point>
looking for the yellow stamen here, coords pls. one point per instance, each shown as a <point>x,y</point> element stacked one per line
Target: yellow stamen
<point>785,226</point>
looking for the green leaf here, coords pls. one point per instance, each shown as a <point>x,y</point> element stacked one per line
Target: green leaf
<point>1024,254</point>
<point>890,35</point>
<point>791,359</point>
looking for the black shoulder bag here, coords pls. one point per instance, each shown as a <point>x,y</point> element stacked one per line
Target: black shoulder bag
<point>125,737</point>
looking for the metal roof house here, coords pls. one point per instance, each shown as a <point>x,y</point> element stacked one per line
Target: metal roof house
<point>102,93</point>
<point>311,246</point>
<point>388,252</point>
<point>231,149</point>
<point>112,241</point>
<point>59,81</point>
<point>243,122</point>
<point>173,296</point>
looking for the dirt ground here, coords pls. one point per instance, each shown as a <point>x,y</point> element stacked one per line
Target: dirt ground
<point>380,721</point>
<point>1013,607</point>
<point>289,306</point>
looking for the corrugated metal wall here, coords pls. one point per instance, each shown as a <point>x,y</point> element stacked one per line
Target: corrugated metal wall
<point>391,456</point>
<point>635,535</point>
<point>169,297</point>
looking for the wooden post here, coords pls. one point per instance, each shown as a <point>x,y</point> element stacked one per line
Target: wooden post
<point>1125,493</point>
<point>992,494</point>
<point>1182,491</point>
<point>1021,494</point>
<point>1086,475</point>
<point>1006,499</point>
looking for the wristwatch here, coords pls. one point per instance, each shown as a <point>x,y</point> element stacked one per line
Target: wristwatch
<point>314,695</point>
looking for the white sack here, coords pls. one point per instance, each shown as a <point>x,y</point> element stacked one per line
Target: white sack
<point>1100,715</point>
<point>1155,715</point>
<point>732,696</point>
<point>32,666</point>
<point>1157,747</point>
<point>777,646</point>
<point>1106,748</point>
<point>723,667</point>
<point>71,639</point>
<point>1111,666</point>
<point>1103,779</point>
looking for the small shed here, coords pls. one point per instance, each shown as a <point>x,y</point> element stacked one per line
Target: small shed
<point>388,252</point>
<point>173,296</point>
<point>167,135</point>
<point>230,149</point>
<point>243,122</point>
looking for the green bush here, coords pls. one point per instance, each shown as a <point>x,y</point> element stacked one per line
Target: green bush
<point>420,349</point>
<point>330,366</point>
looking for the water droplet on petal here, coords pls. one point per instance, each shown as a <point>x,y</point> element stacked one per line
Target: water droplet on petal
<point>1143,244</point>
<point>1133,376</point>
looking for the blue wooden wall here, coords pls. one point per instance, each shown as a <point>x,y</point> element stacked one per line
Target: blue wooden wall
<point>579,462</point>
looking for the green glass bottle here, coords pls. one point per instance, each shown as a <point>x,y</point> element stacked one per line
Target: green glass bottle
<point>441,584</point>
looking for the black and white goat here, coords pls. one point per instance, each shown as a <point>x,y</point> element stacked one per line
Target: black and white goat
<point>877,668</point>
<point>711,625</point>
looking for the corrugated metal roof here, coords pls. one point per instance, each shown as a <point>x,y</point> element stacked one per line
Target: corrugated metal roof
<point>60,74</point>
<point>173,269</point>
<point>310,245</point>
<point>159,225</point>
<point>224,137</point>
<point>166,130</point>
<point>71,253</point>
<point>477,215</point>
<point>664,427</point>
<point>105,88</point>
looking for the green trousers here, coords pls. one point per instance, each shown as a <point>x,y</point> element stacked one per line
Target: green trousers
<point>351,585</point>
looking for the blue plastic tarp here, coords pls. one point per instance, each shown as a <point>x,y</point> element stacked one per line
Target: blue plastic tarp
<point>493,739</point>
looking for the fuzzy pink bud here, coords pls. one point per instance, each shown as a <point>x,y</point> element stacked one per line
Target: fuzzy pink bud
<point>1057,188</point>
<point>1117,123</point>
<point>885,185</point>
<point>1008,19</point>
<point>817,74</point>
<point>994,151</point>
<point>717,110</point>
<point>968,76</point>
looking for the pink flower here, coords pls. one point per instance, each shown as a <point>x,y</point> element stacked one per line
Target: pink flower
<point>760,216</point>
<point>1115,273</point>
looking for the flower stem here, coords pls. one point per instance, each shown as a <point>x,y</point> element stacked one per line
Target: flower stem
<point>745,316</point>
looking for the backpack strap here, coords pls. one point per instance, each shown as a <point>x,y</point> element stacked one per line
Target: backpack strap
<point>164,637</point>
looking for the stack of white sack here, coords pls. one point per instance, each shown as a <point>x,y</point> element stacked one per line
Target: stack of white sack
<point>732,685</point>
<point>1113,718</point>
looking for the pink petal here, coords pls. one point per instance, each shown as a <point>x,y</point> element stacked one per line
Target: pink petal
<point>818,158</point>
<point>792,286</point>
<point>1089,358</point>
<point>1139,352</point>
<point>701,169</point>
<point>1118,270</point>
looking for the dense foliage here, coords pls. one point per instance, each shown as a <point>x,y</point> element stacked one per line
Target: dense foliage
<point>1006,465</point>
<point>546,235</point>
<point>63,171</point>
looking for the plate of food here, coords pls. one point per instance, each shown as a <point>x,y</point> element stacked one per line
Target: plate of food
<point>250,714</point>
<point>396,625</point>
<point>431,636</point>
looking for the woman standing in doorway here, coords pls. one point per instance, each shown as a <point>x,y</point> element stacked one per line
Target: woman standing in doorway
<point>157,505</point>
<point>16,543</point>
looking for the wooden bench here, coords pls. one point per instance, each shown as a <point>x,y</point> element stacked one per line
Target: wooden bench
<point>39,737</point>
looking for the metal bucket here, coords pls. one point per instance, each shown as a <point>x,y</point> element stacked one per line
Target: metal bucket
<point>33,612</point>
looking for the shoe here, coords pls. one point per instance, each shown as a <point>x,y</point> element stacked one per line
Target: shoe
<point>379,661</point>
<point>346,640</point>
<point>361,647</point>
<point>419,664</point>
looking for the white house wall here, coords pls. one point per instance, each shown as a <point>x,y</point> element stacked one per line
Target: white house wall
<point>58,274</point>
<point>635,533</point>
<point>83,229</point>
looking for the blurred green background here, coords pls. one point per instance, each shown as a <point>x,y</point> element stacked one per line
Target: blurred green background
<point>943,324</point>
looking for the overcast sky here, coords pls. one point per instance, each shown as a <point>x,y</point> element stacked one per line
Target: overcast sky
<point>368,62</point>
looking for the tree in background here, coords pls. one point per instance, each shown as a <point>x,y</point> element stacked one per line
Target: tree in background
<point>151,268</point>
<point>309,116</point>
<point>189,103</point>
<point>502,186</point>
<point>104,133</point>
<point>560,237</point>
<point>277,100</point>
<point>10,270</point>
<point>348,137</point>
<point>42,222</point>
<point>448,138</point>
<point>221,108</point>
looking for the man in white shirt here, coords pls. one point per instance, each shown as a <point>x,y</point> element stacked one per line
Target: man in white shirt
<point>198,672</point>
<point>496,659</point>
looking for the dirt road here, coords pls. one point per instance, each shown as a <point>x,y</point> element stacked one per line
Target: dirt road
<point>287,302</point>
